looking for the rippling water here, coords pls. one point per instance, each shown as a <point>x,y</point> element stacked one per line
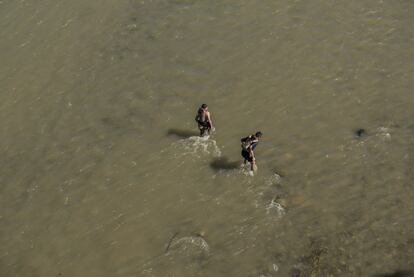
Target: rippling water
<point>102,172</point>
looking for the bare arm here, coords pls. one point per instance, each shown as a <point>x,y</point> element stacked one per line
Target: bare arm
<point>209,119</point>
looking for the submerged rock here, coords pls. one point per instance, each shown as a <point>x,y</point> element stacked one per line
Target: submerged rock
<point>360,132</point>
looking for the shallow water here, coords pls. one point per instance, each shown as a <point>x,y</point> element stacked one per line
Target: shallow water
<point>102,172</point>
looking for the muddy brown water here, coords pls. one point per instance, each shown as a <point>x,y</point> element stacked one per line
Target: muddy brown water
<point>101,173</point>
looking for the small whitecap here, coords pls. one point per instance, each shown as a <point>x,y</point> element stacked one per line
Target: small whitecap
<point>275,207</point>
<point>199,145</point>
<point>384,132</point>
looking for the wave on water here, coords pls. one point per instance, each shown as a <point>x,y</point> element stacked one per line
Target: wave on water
<point>196,145</point>
<point>246,170</point>
<point>384,133</point>
<point>275,207</point>
<point>273,180</point>
<point>186,251</point>
<point>190,245</point>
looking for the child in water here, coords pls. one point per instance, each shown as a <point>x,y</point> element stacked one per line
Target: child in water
<point>248,145</point>
<point>203,118</point>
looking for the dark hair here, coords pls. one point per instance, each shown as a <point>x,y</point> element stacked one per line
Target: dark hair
<point>258,134</point>
<point>204,106</point>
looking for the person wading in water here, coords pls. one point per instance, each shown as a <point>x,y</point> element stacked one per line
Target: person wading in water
<point>203,119</point>
<point>248,145</point>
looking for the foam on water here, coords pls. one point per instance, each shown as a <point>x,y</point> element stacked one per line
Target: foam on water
<point>274,179</point>
<point>275,207</point>
<point>199,146</point>
<point>384,133</point>
<point>245,170</point>
<point>190,245</point>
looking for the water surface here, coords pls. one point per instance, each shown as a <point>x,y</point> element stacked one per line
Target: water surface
<point>102,173</point>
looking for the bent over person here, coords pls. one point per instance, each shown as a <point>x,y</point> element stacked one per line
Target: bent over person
<point>203,119</point>
<point>248,145</point>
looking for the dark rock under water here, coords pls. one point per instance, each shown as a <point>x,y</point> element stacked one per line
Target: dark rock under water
<point>360,132</point>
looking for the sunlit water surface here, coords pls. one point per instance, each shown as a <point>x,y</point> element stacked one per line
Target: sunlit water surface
<point>102,172</point>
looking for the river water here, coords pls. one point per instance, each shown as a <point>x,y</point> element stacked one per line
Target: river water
<point>102,172</point>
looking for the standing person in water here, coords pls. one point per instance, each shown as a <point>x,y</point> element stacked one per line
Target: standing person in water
<point>203,119</point>
<point>248,145</point>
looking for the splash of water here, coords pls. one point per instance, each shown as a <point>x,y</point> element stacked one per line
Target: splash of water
<point>190,244</point>
<point>273,180</point>
<point>277,207</point>
<point>199,145</point>
<point>384,133</point>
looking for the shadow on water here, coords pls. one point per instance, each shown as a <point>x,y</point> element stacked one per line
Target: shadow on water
<point>181,133</point>
<point>399,273</point>
<point>224,163</point>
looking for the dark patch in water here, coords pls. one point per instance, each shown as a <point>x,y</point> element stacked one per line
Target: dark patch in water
<point>224,164</point>
<point>399,273</point>
<point>181,133</point>
<point>360,132</point>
